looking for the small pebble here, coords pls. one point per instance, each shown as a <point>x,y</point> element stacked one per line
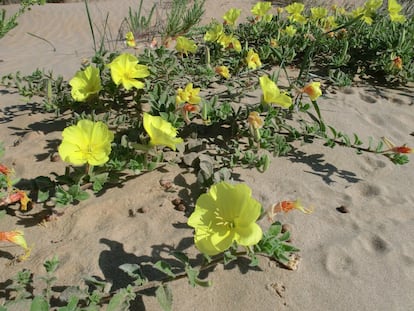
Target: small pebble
<point>180,207</point>
<point>166,183</point>
<point>54,157</point>
<point>177,201</point>
<point>143,210</point>
<point>342,209</point>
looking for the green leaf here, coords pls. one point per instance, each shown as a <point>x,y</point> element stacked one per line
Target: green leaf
<point>115,303</point>
<point>134,271</point>
<point>72,305</point>
<point>39,304</point>
<point>99,181</point>
<point>52,264</point>
<point>82,195</point>
<point>203,283</point>
<point>42,196</point>
<point>181,257</point>
<point>228,257</point>
<point>165,268</point>
<point>254,262</point>
<point>164,297</point>
<point>192,275</point>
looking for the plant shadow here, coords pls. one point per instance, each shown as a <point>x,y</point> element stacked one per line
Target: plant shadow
<point>321,168</point>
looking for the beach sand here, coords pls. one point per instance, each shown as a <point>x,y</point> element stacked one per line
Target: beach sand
<point>359,260</point>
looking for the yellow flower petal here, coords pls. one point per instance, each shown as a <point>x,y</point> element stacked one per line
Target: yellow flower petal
<point>130,39</point>
<point>231,16</point>
<point>161,132</point>
<point>253,59</point>
<point>125,70</point>
<point>272,94</point>
<point>85,83</point>
<point>185,45</point>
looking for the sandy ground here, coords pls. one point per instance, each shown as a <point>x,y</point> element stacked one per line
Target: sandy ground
<point>361,260</point>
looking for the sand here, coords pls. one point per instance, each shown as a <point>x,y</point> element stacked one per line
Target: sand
<point>360,260</point>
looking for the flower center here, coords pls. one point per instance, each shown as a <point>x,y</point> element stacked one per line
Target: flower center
<point>220,221</point>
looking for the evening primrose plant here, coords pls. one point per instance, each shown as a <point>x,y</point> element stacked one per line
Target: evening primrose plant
<point>185,104</point>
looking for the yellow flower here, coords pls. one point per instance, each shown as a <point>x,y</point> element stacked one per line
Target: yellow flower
<point>394,9</point>
<point>229,42</point>
<point>295,8</point>
<point>231,16</point>
<point>161,132</point>
<point>318,13</point>
<point>272,94</point>
<point>85,84</point>
<point>223,71</point>
<point>295,12</point>
<point>373,5</point>
<point>367,11</point>
<point>365,15</point>
<point>224,215</point>
<point>290,30</point>
<point>338,10</point>
<point>188,95</point>
<point>130,40</point>
<point>185,45</point>
<point>253,59</point>
<point>261,8</point>
<point>86,142</point>
<point>125,70</point>
<point>214,33</point>
<point>329,22</point>
<point>313,89</point>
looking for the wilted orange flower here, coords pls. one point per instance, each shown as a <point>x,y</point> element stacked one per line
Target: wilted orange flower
<point>19,195</point>
<point>313,89</point>
<point>190,108</point>
<point>16,237</point>
<point>223,71</point>
<point>4,170</point>
<point>273,43</point>
<point>402,149</point>
<point>396,149</point>
<point>286,206</point>
<point>397,63</point>
<point>254,120</point>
